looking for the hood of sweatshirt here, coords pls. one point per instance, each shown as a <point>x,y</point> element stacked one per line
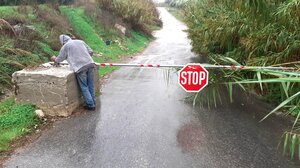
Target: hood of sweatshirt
<point>64,39</point>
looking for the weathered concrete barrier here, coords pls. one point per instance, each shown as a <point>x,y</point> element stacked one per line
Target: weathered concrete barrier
<point>53,89</point>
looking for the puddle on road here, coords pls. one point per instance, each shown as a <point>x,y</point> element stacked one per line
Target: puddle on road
<point>190,137</point>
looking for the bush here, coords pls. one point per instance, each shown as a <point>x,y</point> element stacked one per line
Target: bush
<point>263,33</point>
<point>140,14</point>
<point>55,23</point>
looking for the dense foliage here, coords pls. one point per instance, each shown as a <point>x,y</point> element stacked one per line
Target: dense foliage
<point>176,3</point>
<point>28,2</point>
<point>254,33</point>
<point>28,38</point>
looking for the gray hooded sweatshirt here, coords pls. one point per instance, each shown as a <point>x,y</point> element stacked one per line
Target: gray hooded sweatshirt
<point>76,52</point>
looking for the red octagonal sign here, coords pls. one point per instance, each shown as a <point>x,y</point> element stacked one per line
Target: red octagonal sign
<point>193,77</point>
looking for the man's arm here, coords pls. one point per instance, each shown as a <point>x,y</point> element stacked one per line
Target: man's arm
<point>62,55</point>
<point>89,49</point>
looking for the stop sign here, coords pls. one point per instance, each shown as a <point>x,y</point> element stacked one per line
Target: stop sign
<point>193,77</point>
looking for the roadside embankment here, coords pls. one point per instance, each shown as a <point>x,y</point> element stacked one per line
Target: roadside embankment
<point>29,37</point>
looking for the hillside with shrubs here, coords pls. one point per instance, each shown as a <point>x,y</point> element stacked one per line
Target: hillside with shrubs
<point>29,31</point>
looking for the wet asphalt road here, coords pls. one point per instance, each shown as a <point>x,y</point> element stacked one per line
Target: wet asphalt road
<point>142,121</point>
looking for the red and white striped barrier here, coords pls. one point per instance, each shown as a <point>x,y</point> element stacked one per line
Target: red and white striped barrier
<point>207,66</point>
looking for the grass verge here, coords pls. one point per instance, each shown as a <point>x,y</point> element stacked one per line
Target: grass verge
<point>15,120</point>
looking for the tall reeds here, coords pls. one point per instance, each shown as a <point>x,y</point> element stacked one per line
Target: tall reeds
<point>252,32</point>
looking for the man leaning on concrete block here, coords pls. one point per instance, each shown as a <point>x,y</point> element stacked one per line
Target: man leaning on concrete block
<point>79,55</point>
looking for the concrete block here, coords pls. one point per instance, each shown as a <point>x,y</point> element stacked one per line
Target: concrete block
<point>52,89</point>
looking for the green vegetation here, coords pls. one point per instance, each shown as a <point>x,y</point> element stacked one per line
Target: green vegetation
<point>176,3</point>
<point>175,7</point>
<point>176,12</point>
<point>255,33</point>
<point>15,121</point>
<point>25,41</point>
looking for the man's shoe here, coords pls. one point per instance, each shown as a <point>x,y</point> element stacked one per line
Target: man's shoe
<point>90,108</point>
